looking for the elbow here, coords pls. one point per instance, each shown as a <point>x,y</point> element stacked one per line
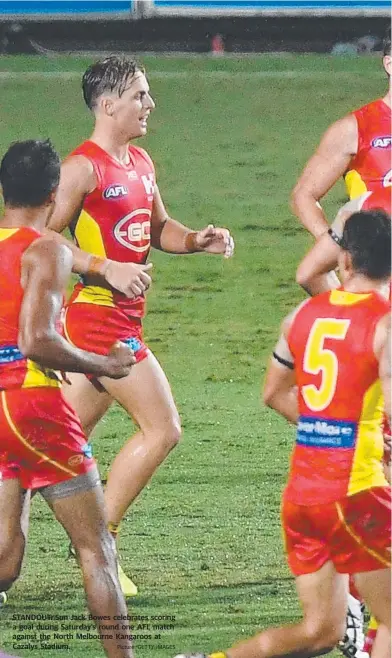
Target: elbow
<point>33,344</point>
<point>268,396</point>
<point>295,198</point>
<point>304,277</point>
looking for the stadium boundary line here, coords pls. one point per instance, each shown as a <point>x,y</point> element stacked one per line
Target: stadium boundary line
<point>69,75</point>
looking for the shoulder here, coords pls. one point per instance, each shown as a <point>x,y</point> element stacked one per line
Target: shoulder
<point>341,136</point>
<point>79,169</point>
<point>48,254</point>
<point>292,316</point>
<point>140,153</point>
<point>345,126</point>
<point>369,108</point>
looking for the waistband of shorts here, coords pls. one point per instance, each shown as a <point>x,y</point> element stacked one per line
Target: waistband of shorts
<point>10,353</point>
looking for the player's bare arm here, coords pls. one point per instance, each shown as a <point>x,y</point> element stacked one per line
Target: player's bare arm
<point>280,392</point>
<point>173,237</point>
<point>76,180</point>
<point>316,273</point>
<point>46,268</point>
<point>323,170</point>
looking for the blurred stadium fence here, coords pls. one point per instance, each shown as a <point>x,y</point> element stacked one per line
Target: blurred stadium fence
<point>189,25</point>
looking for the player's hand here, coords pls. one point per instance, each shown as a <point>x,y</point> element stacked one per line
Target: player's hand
<point>129,278</point>
<point>119,361</point>
<point>215,241</point>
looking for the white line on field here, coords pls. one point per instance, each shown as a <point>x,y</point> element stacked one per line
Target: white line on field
<point>70,75</point>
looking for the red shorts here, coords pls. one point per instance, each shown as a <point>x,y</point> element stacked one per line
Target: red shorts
<point>354,533</point>
<point>41,438</point>
<point>96,328</point>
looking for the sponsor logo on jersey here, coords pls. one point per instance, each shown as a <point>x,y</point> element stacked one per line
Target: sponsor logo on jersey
<point>382,142</point>
<point>133,230</point>
<point>325,433</point>
<point>115,191</point>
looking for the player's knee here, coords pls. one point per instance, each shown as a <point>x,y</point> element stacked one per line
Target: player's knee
<point>325,634</point>
<point>97,554</point>
<point>11,557</point>
<point>169,434</point>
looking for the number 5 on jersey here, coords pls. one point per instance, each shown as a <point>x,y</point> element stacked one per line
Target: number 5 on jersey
<point>318,359</point>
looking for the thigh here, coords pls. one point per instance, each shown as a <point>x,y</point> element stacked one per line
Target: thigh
<point>89,399</point>
<point>324,595</point>
<point>50,445</point>
<point>362,539</point>
<point>375,588</point>
<point>145,394</point>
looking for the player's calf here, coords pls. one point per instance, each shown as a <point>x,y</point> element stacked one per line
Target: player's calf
<point>11,558</point>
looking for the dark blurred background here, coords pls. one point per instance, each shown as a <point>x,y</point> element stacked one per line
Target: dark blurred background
<point>339,26</point>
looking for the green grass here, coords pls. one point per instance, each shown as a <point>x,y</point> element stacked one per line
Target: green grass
<point>203,540</point>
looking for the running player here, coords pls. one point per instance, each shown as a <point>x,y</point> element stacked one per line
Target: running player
<point>314,270</point>
<point>109,198</point>
<point>358,146</point>
<point>42,445</point>
<point>325,378</point>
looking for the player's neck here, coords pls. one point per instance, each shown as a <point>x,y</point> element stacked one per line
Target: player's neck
<point>114,144</point>
<point>361,284</point>
<point>388,98</point>
<point>19,217</point>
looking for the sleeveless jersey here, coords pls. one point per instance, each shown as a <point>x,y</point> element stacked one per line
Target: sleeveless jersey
<point>15,370</point>
<point>339,443</point>
<point>371,167</point>
<point>380,198</point>
<point>116,218</point>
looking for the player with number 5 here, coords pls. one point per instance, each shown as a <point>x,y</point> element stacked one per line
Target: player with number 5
<point>327,376</point>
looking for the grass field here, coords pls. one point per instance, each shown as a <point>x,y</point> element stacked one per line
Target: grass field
<point>229,138</point>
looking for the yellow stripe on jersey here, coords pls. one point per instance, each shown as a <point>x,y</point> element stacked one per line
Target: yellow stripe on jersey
<point>38,377</point>
<point>6,233</point>
<point>355,185</point>
<point>27,445</point>
<point>88,235</point>
<point>367,470</point>
<point>358,539</point>
<point>344,298</point>
<point>95,295</point>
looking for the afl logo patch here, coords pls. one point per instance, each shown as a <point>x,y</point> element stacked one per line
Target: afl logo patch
<point>115,191</point>
<point>133,230</point>
<point>382,142</point>
<point>75,460</point>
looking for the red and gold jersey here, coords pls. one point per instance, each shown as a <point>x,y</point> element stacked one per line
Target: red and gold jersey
<point>339,443</point>
<point>371,167</point>
<point>15,370</point>
<point>380,198</point>
<point>115,220</point>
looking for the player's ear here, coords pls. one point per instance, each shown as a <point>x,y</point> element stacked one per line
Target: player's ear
<point>107,105</point>
<point>387,64</point>
<point>345,265</point>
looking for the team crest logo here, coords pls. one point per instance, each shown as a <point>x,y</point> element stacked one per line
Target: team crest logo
<point>115,191</point>
<point>133,230</point>
<point>382,142</point>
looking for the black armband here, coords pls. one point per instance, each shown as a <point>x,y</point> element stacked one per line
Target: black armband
<point>335,237</point>
<point>283,361</point>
